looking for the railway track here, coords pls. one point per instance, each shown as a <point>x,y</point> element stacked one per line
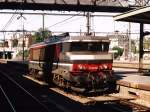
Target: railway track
<point>18,99</point>
<point>54,101</point>
<point>135,107</point>
<point>6,104</point>
<point>127,106</point>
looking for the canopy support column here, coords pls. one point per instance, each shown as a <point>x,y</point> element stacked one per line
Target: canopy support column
<point>141,51</point>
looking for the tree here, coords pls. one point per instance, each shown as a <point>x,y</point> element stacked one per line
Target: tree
<point>6,44</point>
<point>146,43</point>
<point>119,51</point>
<point>26,53</point>
<point>133,47</point>
<point>15,42</point>
<point>41,35</point>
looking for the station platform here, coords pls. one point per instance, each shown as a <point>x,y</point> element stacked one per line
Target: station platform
<point>136,85</point>
<point>136,81</point>
<point>16,62</point>
<point>3,61</point>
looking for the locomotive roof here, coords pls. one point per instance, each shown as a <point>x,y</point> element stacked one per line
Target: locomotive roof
<point>59,39</point>
<point>62,39</point>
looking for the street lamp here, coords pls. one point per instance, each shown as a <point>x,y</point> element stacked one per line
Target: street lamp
<point>22,24</point>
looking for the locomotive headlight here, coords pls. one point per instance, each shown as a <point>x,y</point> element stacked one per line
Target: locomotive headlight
<point>105,66</point>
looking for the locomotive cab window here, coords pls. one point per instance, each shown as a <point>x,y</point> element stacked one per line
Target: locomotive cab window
<point>65,47</point>
<point>89,46</point>
<point>105,46</point>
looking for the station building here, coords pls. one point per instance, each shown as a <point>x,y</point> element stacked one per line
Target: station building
<point>12,48</point>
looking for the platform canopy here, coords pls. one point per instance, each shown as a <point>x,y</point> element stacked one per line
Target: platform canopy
<point>140,15</point>
<point>67,5</point>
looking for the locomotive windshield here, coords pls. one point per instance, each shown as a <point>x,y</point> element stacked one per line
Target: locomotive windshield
<point>89,46</point>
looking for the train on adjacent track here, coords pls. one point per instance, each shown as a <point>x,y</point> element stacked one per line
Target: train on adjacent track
<point>79,63</point>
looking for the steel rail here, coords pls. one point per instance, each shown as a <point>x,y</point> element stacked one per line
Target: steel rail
<point>8,100</point>
<point>59,106</point>
<point>118,109</point>
<point>14,82</point>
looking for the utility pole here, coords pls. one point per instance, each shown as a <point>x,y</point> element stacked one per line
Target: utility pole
<point>22,24</point>
<point>88,16</point>
<point>129,36</point>
<point>141,47</point>
<point>43,34</point>
<point>4,45</point>
<point>23,42</point>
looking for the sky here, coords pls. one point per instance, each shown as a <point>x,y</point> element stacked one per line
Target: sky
<point>73,24</point>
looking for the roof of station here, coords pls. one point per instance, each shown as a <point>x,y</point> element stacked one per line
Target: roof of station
<point>67,5</point>
<point>140,15</point>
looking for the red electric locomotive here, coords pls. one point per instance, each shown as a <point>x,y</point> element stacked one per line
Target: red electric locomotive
<point>79,63</point>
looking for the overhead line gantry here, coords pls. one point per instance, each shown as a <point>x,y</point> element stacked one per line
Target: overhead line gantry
<point>67,5</point>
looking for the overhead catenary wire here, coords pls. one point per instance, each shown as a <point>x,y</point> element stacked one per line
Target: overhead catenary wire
<point>63,20</point>
<point>16,13</point>
<point>9,21</point>
<point>71,21</point>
